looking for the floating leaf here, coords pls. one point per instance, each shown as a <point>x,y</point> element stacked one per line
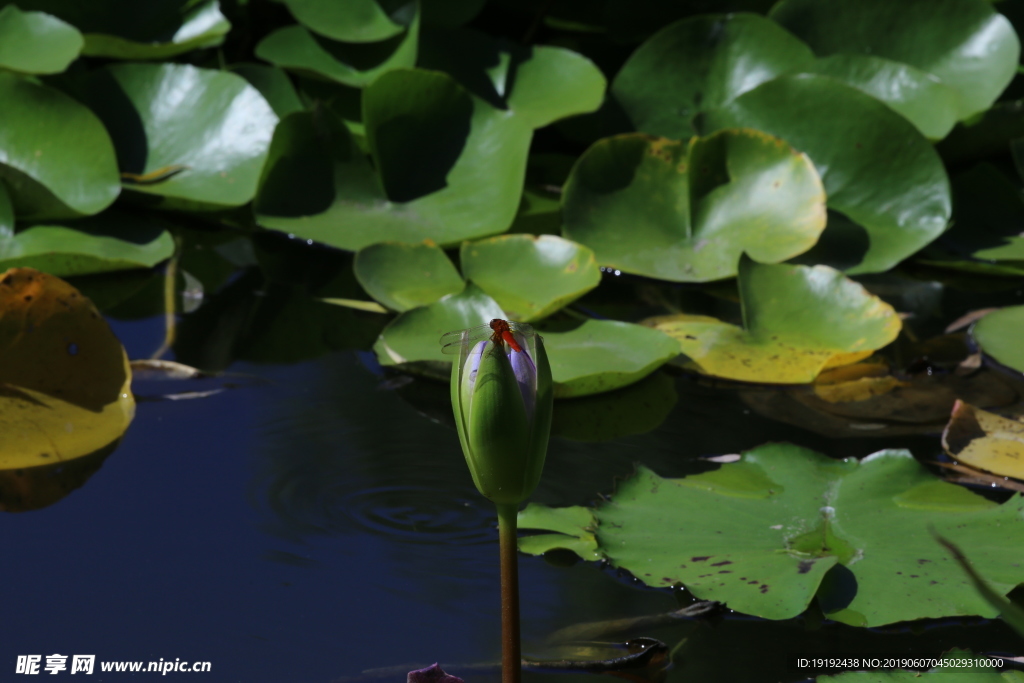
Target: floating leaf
<point>602,355</point>
<point>404,276</point>
<point>768,533</point>
<point>965,44</point>
<point>215,134</point>
<point>701,63</point>
<point>877,169</point>
<point>105,243</point>
<point>999,335</point>
<point>6,213</point>
<point>797,320</point>
<point>1010,611</point>
<point>64,377</point>
<point>985,440</point>
<point>297,49</point>
<point>56,157</point>
<point>447,166</point>
<point>414,335</point>
<point>274,85</point>
<point>575,522</point>
<point>922,99</point>
<point>354,21</point>
<point>530,277</point>
<point>36,42</point>
<point>686,211</point>
<point>145,30</point>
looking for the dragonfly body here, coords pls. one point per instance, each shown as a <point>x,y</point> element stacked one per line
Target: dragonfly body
<point>499,331</point>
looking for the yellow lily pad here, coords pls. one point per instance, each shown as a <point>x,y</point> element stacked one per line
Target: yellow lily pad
<point>985,440</point>
<point>65,383</point>
<point>797,321</point>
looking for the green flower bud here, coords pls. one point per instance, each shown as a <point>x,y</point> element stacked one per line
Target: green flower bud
<point>503,400</point>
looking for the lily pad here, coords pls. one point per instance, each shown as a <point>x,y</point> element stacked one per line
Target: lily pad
<point>404,276</point>
<point>154,29</point>
<point>202,149</point>
<point>797,320</point>
<point>297,49</point>
<point>57,158</point>
<point>766,534</point>
<point>446,166</point>
<point>602,355</point>
<point>6,213</point>
<point>108,242</point>
<point>64,377</point>
<point>540,83</point>
<point>985,440</point>
<point>353,21</point>
<point>700,63</point>
<point>414,335</point>
<point>922,99</point>
<point>36,42</point>
<point>530,277</point>
<point>965,44</point>
<point>174,31</point>
<point>999,335</point>
<point>877,169</point>
<point>274,85</point>
<point>686,211</point>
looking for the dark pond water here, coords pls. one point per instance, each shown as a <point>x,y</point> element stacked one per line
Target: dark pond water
<point>315,523</point>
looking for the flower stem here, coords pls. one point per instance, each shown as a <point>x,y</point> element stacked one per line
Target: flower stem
<point>511,657</point>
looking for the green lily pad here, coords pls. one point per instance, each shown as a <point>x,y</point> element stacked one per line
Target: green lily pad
<point>36,42</point>
<point>877,169</point>
<point>6,213</point>
<point>353,21</point>
<point>797,320</point>
<point>191,26</point>
<point>65,383</point>
<point>701,63</point>
<point>415,335</point>
<point>922,99</point>
<point>686,211</point>
<point>57,158</point>
<point>404,276</point>
<point>446,166</point>
<point>154,29</point>
<point>766,534</point>
<point>539,83</point>
<point>530,277</point>
<point>274,85</point>
<point>999,335</point>
<point>966,44</point>
<point>297,49</point>
<point>603,355</point>
<point>205,148</point>
<point>574,529</point>
<point>100,244</point>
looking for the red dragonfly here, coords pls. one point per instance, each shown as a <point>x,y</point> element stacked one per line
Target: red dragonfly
<point>499,331</point>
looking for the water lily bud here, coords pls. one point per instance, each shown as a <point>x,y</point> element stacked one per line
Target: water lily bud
<point>503,400</point>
